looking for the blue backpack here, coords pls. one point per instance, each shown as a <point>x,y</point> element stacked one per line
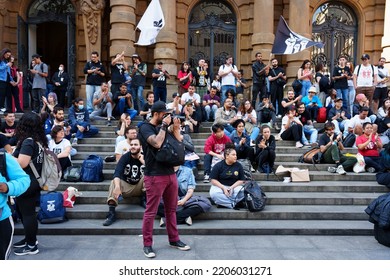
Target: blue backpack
<point>52,208</point>
<point>92,169</point>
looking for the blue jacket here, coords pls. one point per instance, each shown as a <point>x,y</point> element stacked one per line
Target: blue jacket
<point>4,69</point>
<point>314,99</point>
<point>379,211</point>
<point>80,117</point>
<point>18,183</point>
<point>236,140</point>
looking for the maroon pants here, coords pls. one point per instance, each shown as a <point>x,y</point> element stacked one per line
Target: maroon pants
<point>156,187</point>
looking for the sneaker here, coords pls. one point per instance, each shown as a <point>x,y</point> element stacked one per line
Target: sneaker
<point>109,123</point>
<point>206,178</point>
<point>179,245</point>
<point>110,159</point>
<point>74,142</point>
<point>148,252</point>
<point>298,144</point>
<point>278,138</point>
<point>27,250</point>
<point>279,116</point>
<point>162,222</point>
<point>340,170</point>
<point>111,218</point>
<point>252,143</point>
<point>371,170</point>
<point>22,243</point>
<point>314,121</point>
<point>188,221</point>
<point>332,169</point>
<point>276,127</point>
<point>252,169</point>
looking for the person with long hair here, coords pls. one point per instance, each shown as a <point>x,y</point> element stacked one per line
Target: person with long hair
<point>49,103</point>
<point>305,75</point>
<point>60,146</point>
<point>31,139</point>
<point>15,87</point>
<point>248,114</point>
<point>351,88</point>
<point>265,149</point>
<point>185,77</point>
<point>369,145</point>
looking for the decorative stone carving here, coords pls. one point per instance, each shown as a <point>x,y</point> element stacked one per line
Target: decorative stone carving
<point>3,10</point>
<point>91,10</point>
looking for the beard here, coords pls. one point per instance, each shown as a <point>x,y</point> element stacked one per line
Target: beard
<point>135,152</point>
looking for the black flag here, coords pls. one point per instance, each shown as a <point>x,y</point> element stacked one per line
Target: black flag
<point>289,42</point>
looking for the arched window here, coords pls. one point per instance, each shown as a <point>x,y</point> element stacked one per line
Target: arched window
<point>335,24</point>
<point>40,7</point>
<point>211,33</point>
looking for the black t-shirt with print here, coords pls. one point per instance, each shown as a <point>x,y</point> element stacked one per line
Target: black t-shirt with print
<point>226,174</point>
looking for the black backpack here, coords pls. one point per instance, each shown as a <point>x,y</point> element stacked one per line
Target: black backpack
<point>324,83</point>
<point>349,140</point>
<point>254,197</point>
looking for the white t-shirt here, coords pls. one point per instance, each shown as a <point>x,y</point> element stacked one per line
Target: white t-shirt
<point>245,117</point>
<point>122,148</point>
<point>171,107</point>
<point>284,121</point>
<point>187,97</point>
<point>365,77</point>
<point>60,147</point>
<point>356,120</point>
<point>229,79</point>
<point>384,73</point>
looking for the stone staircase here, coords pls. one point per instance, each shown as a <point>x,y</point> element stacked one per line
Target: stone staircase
<point>329,204</point>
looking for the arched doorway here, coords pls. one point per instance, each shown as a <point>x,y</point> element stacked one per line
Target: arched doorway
<point>336,25</point>
<point>50,32</point>
<point>211,33</point>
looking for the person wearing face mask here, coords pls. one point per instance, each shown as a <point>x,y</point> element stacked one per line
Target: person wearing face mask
<point>79,121</point>
<point>60,81</point>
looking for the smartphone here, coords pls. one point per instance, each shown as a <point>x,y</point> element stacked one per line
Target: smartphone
<point>120,198</point>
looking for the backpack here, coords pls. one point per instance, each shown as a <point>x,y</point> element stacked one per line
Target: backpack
<point>324,83</point>
<point>246,165</point>
<point>52,209</point>
<point>313,156</point>
<point>51,173</point>
<point>349,140</point>
<point>72,174</point>
<point>321,116</point>
<point>254,197</point>
<point>48,74</point>
<point>92,169</point>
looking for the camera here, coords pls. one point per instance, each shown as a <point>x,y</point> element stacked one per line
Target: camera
<point>181,118</point>
<point>66,124</point>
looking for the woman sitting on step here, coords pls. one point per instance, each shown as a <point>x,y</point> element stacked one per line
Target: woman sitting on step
<point>61,147</point>
<point>265,150</point>
<point>369,145</point>
<point>292,127</point>
<point>227,179</point>
<point>188,204</point>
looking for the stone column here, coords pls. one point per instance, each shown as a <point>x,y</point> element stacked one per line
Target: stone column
<point>92,11</point>
<point>386,35</point>
<point>123,22</point>
<point>166,46</point>
<point>3,13</point>
<point>263,28</point>
<point>301,25</point>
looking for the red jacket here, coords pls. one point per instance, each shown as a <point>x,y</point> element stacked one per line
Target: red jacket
<point>216,145</point>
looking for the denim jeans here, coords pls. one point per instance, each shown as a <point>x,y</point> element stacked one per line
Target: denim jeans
<point>218,196</point>
<point>90,90</point>
<point>351,99</point>
<point>160,94</point>
<point>311,132</point>
<point>101,111</point>
<point>137,93</point>
<point>121,108</point>
<point>224,89</point>
<point>343,93</point>
<point>210,111</point>
<point>305,88</point>
<point>339,126</point>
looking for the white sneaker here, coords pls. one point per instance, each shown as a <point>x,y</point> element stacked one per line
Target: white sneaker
<point>298,144</point>
<point>279,116</point>
<point>340,170</point>
<point>278,138</point>
<point>252,143</point>
<point>332,169</point>
<point>206,178</point>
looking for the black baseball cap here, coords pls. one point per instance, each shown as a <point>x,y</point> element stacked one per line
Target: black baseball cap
<point>365,56</point>
<point>175,94</point>
<point>338,99</point>
<point>36,56</point>
<point>159,106</point>
<point>160,62</point>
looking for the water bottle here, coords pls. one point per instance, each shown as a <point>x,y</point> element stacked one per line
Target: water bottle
<point>249,202</point>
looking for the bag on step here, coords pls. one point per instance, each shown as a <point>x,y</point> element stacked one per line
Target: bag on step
<point>360,165</point>
<point>72,174</point>
<point>51,208</point>
<point>382,235</point>
<point>349,140</point>
<point>312,156</point>
<point>51,173</point>
<point>92,169</point>
<point>254,197</point>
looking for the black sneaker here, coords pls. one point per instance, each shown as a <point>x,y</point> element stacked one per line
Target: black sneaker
<point>180,245</point>
<point>110,159</point>
<point>27,250</point>
<point>148,252</point>
<point>22,243</point>
<point>110,219</point>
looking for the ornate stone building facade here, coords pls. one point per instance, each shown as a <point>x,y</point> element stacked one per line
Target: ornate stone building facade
<point>66,31</point>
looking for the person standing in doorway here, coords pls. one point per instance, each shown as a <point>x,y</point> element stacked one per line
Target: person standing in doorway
<point>40,73</point>
<point>60,80</point>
